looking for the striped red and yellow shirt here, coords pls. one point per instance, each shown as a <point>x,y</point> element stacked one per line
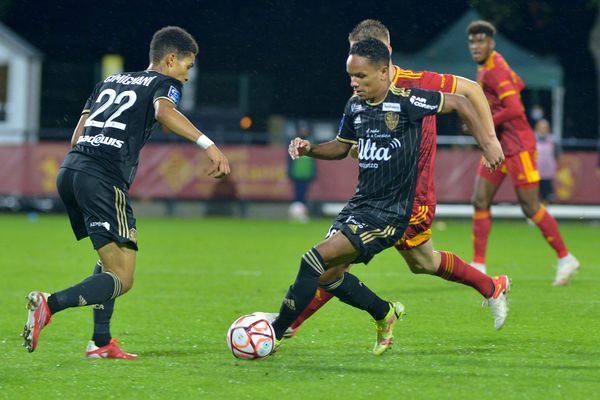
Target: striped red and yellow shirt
<point>425,192</point>
<point>500,83</point>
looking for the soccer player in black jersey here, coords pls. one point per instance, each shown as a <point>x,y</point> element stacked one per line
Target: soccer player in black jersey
<point>93,181</point>
<point>385,122</point>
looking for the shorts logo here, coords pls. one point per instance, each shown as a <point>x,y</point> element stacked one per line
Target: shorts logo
<point>133,235</point>
<point>174,94</point>
<point>391,120</point>
<point>352,220</point>
<point>353,228</point>
<point>105,225</point>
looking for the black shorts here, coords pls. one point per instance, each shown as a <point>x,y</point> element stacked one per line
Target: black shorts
<point>97,209</point>
<point>368,234</point>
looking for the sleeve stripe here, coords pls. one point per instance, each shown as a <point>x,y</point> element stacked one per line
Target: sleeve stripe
<point>343,140</point>
<point>85,111</point>
<point>442,99</point>
<point>506,94</point>
<point>164,97</point>
<point>504,83</point>
<point>454,82</point>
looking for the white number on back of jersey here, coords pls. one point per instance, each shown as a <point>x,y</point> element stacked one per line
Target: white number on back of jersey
<point>112,99</point>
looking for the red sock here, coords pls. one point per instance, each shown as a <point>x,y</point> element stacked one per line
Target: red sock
<point>452,268</point>
<point>549,228</point>
<point>321,297</point>
<point>482,224</point>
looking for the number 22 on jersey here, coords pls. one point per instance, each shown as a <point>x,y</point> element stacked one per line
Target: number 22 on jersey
<point>112,98</point>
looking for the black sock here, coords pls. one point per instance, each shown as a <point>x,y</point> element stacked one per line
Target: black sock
<point>95,289</point>
<point>301,292</point>
<point>102,315</point>
<point>352,291</point>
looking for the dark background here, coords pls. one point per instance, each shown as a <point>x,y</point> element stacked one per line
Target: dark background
<point>293,52</point>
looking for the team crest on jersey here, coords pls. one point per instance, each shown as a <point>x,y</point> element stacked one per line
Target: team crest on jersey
<point>174,94</point>
<point>391,120</point>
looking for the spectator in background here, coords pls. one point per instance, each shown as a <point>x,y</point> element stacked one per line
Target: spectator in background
<point>301,172</point>
<point>546,159</point>
<point>536,113</point>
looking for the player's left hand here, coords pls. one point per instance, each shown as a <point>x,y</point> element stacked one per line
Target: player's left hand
<point>493,155</point>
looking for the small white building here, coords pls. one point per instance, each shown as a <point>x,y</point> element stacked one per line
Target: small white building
<point>20,88</point>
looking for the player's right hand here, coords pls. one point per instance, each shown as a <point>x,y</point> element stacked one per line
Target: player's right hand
<point>220,164</point>
<point>298,147</point>
<point>493,155</point>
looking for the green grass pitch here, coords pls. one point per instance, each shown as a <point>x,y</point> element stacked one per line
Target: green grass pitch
<point>195,276</point>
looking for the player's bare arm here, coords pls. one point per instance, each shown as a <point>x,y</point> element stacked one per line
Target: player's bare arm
<point>332,150</point>
<point>167,114</point>
<point>492,151</point>
<point>473,92</point>
<point>79,128</point>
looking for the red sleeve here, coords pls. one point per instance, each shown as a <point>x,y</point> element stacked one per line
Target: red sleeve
<point>507,88</point>
<point>438,82</point>
<point>502,82</point>
<point>513,108</point>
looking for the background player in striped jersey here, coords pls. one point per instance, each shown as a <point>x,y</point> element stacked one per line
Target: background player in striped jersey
<point>502,88</point>
<point>415,246</point>
<point>386,121</point>
<point>93,181</point>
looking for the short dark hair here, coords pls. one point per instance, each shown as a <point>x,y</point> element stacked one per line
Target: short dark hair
<point>171,39</point>
<point>369,28</point>
<point>372,49</point>
<point>481,26</point>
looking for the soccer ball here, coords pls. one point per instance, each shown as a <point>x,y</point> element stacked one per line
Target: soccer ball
<point>251,337</point>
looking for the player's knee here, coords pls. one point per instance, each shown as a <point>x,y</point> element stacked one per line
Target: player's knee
<point>480,202</point>
<point>124,276</point>
<point>530,208</point>
<point>127,284</point>
<point>419,268</point>
<point>333,274</point>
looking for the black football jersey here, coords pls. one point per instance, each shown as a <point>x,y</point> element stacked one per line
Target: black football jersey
<point>388,135</point>
<point>121,120</point>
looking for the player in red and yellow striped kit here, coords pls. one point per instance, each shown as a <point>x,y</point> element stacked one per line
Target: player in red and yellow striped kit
<point>502,88</point>
<point>415,246</point>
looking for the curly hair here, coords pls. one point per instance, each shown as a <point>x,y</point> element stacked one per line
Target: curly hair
<point>172,39</point>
